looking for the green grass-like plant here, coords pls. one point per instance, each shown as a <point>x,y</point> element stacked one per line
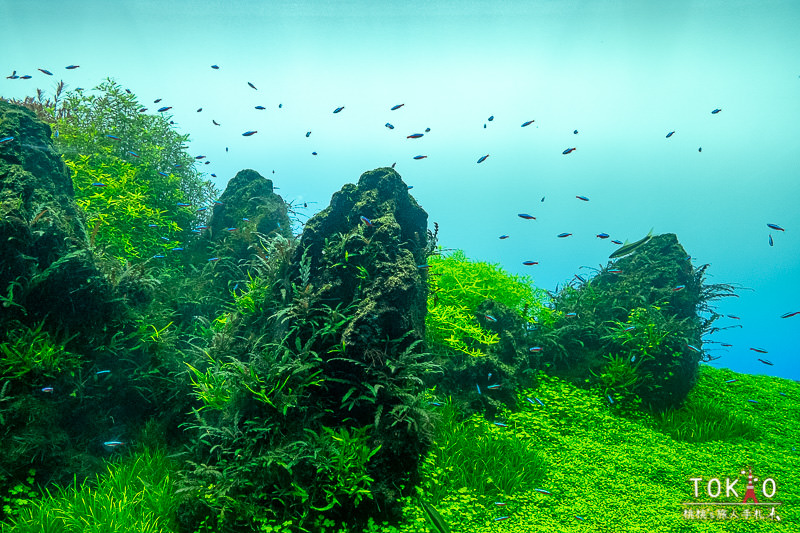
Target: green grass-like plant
<point>33,350</point>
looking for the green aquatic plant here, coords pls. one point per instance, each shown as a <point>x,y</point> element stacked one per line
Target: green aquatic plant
<point>434,518</point>
<point>703,420</point>
<point>457,286</point>
<point>34,350</point>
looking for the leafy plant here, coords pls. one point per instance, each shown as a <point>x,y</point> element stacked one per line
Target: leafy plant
<point>34,351</point>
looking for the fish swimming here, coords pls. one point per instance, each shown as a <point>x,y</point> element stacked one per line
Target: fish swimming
<point>308,134</point>
<point>575,132</point>
<point>6,140</point>
<point>527,123</point>
<point>215,122</point>
<point>630,248</point>
<point>526,216</point>
<point>670,134</point>
<point>585,199</point>
<point>71,67</point>
<point>716,111</point>
<point>251,85</point>
<point>759,350</point>
<point>260,107</point>
<point>491,118</point>
<point>562,235</point>
<point>113,137</point>
<point>603,235</point>
<point>503,236</point>
<point>420,156</point>
<point>483,158</point>
<point>215,67</point>
<point>338,109</point>
<point>162,109</point>
<point>366,221</point>
<point>249,133</point>
<point>770,241</point>
<point>787,315</point>
<point>775,227</point>
<point>414,136</point>
<point>396,107</point>
<point>45,71</point>
<point>767,362</point>
<point>530,263</point>
<point>568,151</point>
<point>389,126</point>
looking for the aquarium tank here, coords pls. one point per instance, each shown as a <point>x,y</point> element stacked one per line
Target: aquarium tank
<point>353,267</point>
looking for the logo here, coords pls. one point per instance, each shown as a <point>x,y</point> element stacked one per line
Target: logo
<point>723,502</point>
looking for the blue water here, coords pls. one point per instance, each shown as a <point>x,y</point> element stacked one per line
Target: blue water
<point>623,74</point>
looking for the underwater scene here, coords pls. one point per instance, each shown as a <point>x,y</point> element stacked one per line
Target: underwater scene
<point>418,267</point>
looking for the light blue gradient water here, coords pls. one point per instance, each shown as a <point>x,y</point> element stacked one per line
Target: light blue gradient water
<point>623,73</point>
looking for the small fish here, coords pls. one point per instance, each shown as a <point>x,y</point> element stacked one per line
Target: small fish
<point>420,156</point>
<point>47,389</point>
<point>615,271</point>
<point>540,402</point>
<point>775,227</point>
<point>585,199</point>
<point>45,71</point>
<point>535,349</point>
<point>13,76</point>
<point>770,241</point>
<point>159,256</point>
<point>582,519</point>
<point>753,401</point>
<point>629,248</point>
<point>530,263</point>
<point>157,100</point>
<point>615,241</point>
<point>670,134</point>
<point>98,184</point>
<point>177,249</point>
<point>112,443</point>
<point>479,388</point>
<point>529,401</point>
<point>142,110</point>
<point>201,209</point>
<point>500,424</point>
<point>542,198</point>
<point>491,118</point>
<point>580,278</point>
<point>699,148</point>
<point>726,345</point>
<point>436,404</point>
<point>499,518</point>
<point>113,137</point>
<point>199,109</point>
<point>251,85</point>
<point>134,154</point>
<point>308,134</point>
<point>759,350</point>
<point>526,216</point>
<point>6,140</point>
<point>26,77</point>
<point>610,399</point>
<point>396,107</point>
<point>162,109</point>
<point>575,132</point>
<point>570,315</point>
<point>338,109</point>
<point>490,318</point>
<point>542,491</point>
<point>72,67</point>
<point>231,229</point>
<point>494,387</point>
<point>213,259</point>
<point>527,123</point>
<point>280,106</point>
<point>249,133</point>
<point>693,348</point>
<point>734,317</point>
<point>365,220</point>
<point>483,158</point>
<point>629,328</point>
<point>389,126</point>
<point>562,235</point>
<point>767,362</point>
<point>503,237</point>
<point>199,157</point>
<point>163,173</point>
<point>787,315</point>
<point>215,122</point>
<point>500,504</point>
<point>603,235</point>
<point>215,67</point>
<point>731,380</point>
<point>313,153</point>
<point>101,372</point>
<point>716,111</point>
<point>425,266</point>
<point>183,204</point>
<point>678,288</point>
<point>568,151</point>
<point>414,136</point>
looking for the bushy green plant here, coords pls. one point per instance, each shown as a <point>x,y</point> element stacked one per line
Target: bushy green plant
<point>34,350</point>
<point>702,420</point>
<point>457,286</point>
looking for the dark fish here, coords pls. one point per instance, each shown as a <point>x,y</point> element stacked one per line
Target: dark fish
<point>414,136</point>
<point>157,100</point>
<point>585,199</point>
<point>734,317</point>
<point>26,77</point>
<point>365,220</point>
<point>491,118</point>
<point>759,350</point>
<point>527,123</point>
<point>113,137</point>
<point>162,109</point>
<point>338,109</point>
<point>313,153</point>
<point>678,288</point>
<point>615,241</point>
<point>630,248</point>
<point>787,315</point>
<point>45,71</point>
<point>280,106</point>
<point>249,133</point>
<point>215,67</point>
<point>603,235</point>
<point>308,134</point>
<point>530,263</point>
<point>716,111</point>
<point>199,157</point>
<point>726,345</point>
<point>775,227</point>
<point>199,109</point>
<point>504,236</point>
<point>483,158</point>
<point>71,67</point>
<point>427,130</point>
<point>575,132</point>
<point>98,184</point>
<point>260,107</point>
<point>389,126</point>
<point>420,156</point>
<point>767,362</point>
<point>568,151</point>
<point>215,122</point>
<point>562,235</point>
<point>770,240</point>
<point>6,139</point>
<point>542,198</point>
<point>251,85</point>
<point>670,134</point>
<point>700,149</point>
<point>142,110</point>
<point>526,216</point>
<point>13,76</point>
<point>398,106</point>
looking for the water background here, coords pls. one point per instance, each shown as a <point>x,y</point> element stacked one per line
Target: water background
<point>623,73</point>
